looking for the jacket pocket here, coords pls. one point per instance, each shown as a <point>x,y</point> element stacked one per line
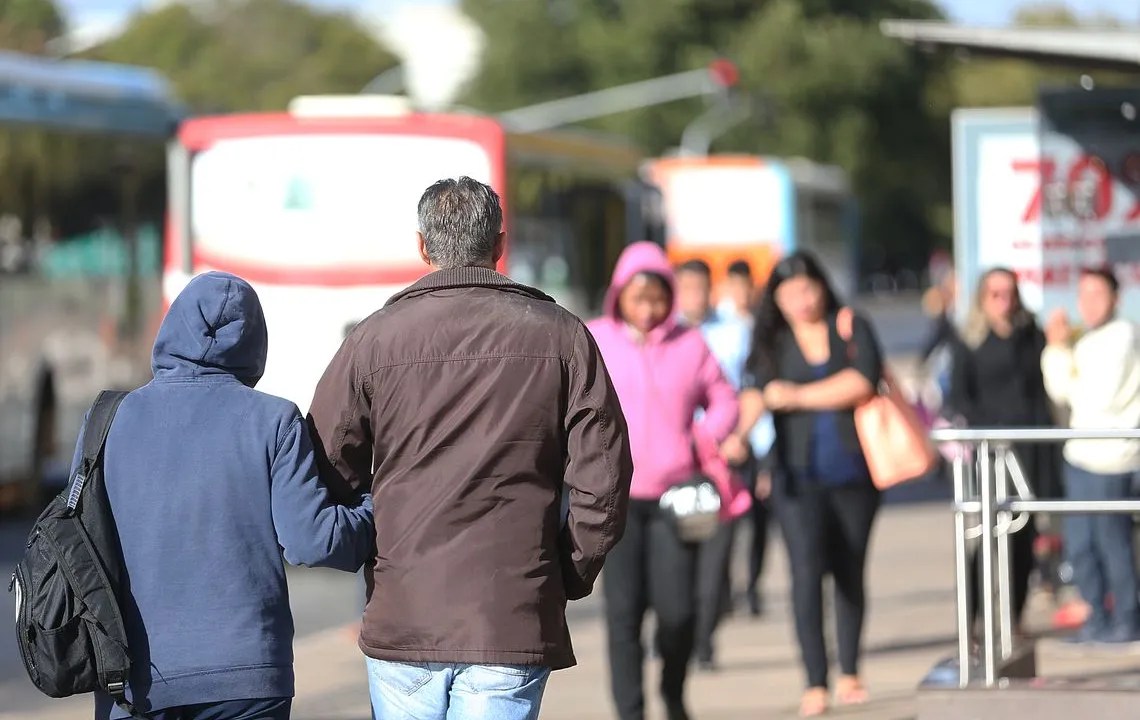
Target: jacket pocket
<point>56,606</point>
<point>23,627</point>
<point>57,638</point>
<point>495,678</point>
<point>70,646</point>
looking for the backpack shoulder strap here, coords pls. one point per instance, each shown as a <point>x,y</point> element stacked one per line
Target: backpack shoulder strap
<point>99,423</point>
<point>95,430</point>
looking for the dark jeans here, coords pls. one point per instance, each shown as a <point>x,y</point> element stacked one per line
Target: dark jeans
<point>649,568</point>
<point>276,709</point>
<point>828,530</point>
<point>1099,547</point>
<point>758,549</point>
<point>1022,561</point>
<point>714,589</point>
<point>1036,462</point>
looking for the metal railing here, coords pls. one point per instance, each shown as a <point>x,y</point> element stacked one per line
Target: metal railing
<point>993,464</point>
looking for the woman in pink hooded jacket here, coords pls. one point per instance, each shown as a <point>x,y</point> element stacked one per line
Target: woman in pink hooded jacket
<point>663,374</point>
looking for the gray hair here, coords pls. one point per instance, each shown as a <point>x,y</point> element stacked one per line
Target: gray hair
<point>460,220</point>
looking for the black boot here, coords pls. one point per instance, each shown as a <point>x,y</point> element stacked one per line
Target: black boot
<point>755,604</point>
<point>675,709</point>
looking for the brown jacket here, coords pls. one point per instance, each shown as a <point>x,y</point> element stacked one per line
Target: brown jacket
<point>469,402</point>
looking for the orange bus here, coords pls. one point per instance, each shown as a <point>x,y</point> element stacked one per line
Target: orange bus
<point>723,208</point>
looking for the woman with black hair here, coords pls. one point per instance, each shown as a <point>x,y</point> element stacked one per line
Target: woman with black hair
<point>811,379</point>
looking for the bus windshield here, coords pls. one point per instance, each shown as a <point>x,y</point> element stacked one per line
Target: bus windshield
<point>705,206</point>
<point>317,201</point>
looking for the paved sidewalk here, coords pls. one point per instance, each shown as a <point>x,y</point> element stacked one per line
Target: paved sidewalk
<point>911,626</point>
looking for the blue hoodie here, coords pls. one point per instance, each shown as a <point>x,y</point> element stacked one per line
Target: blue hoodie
<point>210,482</point>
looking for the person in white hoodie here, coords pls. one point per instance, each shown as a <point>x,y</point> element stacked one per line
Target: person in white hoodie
<point>1098,378</point>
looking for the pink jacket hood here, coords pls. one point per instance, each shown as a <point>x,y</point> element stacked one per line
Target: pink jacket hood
<point>637,258</point>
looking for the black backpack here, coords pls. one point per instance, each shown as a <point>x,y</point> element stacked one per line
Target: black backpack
<point>68,624</point>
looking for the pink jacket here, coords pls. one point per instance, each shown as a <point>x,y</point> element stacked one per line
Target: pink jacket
<point>661,382</point>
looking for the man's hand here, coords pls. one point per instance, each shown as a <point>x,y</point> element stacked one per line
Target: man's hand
<point>781,395</point>
<point>735,450</point>
<point>763,485</point>
<point>1057,330</point>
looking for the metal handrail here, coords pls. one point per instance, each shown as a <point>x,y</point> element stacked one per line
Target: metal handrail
<point>995,465</point>
<point>1059,507</point>
<point>1028,435</point>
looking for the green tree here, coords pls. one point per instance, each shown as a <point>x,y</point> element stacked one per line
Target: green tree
<point>250,54</point>
<point>842,92</point>
<point>30,156</point>
<point>1045,15</point>
<point>28,25</point>
<point>846,95</point>
<point>990,82</point>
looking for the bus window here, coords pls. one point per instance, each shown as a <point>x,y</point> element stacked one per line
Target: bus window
<point>824,230</point>
<point>540,256</point>
<point>565,240</point>
<point>646,213</point>
<point>267,200</point>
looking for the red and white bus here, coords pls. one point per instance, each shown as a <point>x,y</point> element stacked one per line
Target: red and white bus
<point>316,207</point>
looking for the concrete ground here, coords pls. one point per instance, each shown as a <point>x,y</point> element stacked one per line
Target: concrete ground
<point>910,628</point>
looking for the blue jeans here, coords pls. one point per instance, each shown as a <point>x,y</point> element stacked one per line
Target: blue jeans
<point>443,691</point>
<point>1099,548</point>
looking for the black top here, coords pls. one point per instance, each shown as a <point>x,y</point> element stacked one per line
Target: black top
<point>794,430</point>
<point>999,383</point>
<point>941,332</point>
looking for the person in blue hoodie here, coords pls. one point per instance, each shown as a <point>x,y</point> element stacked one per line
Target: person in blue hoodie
<point>210,483</point>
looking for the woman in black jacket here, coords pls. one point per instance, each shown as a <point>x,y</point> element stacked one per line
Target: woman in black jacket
<point>811,379</point>
<point>996,382</point>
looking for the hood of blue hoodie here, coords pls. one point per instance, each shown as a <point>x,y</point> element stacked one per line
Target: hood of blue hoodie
<point>215,327</point>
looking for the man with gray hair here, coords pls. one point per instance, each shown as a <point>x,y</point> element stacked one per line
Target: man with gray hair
<point>482,417</point>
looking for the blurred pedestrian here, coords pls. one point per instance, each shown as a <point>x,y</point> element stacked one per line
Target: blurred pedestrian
<point>1098,379</point>
<point>210,482</point>
<point>663,372</point>
<point>728,334</point>
<point>811,380</point>
<point>996,381</point>
<point>480,415</point>
<point>753,451</point>
<point>937,348</point>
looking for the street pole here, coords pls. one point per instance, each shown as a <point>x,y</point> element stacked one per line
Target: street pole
<point>632,96</point>
<point>721,117</point>
<point>390,81</point>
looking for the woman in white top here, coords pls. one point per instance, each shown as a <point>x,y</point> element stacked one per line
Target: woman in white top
<point>1098,378</point>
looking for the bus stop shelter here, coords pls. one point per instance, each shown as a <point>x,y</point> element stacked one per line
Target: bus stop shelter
<point>1109,49</point>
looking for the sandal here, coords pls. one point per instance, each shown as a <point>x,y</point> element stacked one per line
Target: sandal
<point>849,690</point>
<point>814,702</point>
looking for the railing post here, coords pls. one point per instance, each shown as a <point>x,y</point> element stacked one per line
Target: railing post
<point>1002,533</point>
<point>988,516</point>
<point>994,507</point>
<point>961,571</point>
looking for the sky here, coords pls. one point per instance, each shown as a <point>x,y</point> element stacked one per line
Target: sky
<point>97,17</point>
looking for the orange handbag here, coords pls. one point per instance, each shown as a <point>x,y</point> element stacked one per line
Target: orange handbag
<point>894,442</point>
